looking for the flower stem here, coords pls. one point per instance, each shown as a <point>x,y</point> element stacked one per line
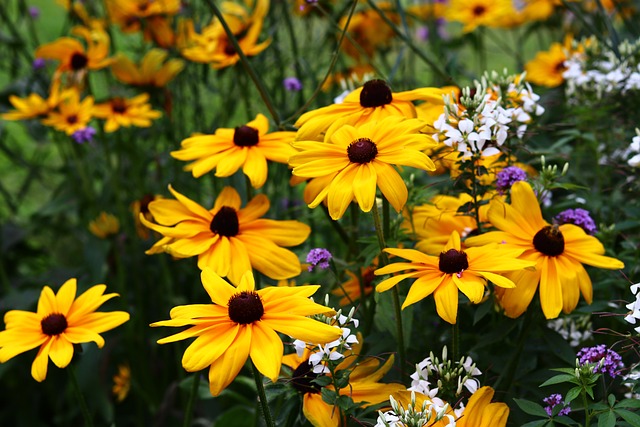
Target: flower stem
<point>88,421</point>
<point>384,260</point>
<point>188,414</point>
<point>262,397</point>
<point>587,413</point>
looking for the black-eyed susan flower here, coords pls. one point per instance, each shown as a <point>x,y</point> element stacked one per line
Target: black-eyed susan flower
<point>453,270</point>
<point>126,112</point>
<point>373,101</point>
<point>248,147</point>
<point>558,252</point>
<point>244,323</point>
<point>150,16</point>
<point>104,225</point>
<point>154,70</point>
<point>547,67</point>
<point>358,159</point>
<point>71,114</point>
<point>61,321</point>
<point>475,13</point>
<point>34,106</point>
<point>228,239</point>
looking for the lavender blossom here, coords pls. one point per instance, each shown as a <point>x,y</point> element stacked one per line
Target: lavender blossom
<point>84,135</point>
<point>292,84</point>
<point>38,64</point>
<point>606,360</point>
<point>579,217</point>
<point>509,176</point>
<point>34,12</point>
<point>553,401</point>
<point>319,257</point>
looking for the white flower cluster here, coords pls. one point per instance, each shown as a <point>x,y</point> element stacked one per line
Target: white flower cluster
<point>330,352</point>
<point>631,381</point>
<point>634,307</point>
<point>412,417</point>
<point>501,105</point>
<point>576,330</point>
<point>593,72</point>
<point>432,375</point>
<point>634,149</point>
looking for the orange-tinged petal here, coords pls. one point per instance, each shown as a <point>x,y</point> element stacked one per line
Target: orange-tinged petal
<point>516,300</point>
<point>319,413</point>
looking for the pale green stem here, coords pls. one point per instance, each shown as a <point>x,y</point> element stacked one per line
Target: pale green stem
<point>262,397</point>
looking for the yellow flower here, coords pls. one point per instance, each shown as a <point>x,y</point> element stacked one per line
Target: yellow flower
<point>126,112</point>
<point>104,226</point>
<point>248,146</point>
<point>31,107</point>
<point>547,67</point>
<point>476,13</point>
<point>122,382</point>
<point>368,31</point>
<point>71,114</point>
<point>453,270</point>
<point>228,239</point>
<point>243,323</point>
<point>359,159</point>
<point>149,15</point>
<point>557,251</point>
<point>373,101</point>
<point>73,56</point>
<point>60,322</point>
<point>150,72</point>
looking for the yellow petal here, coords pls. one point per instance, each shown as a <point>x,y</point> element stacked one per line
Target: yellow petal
<point>226,367</point>
<point>266,350</point>
<point>446,297</point>
<point>61,351</point>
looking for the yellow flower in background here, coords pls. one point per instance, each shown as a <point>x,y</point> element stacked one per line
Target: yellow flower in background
<point>557,251</point>
<point>61,321</point>
<point>244,323</point>
<point>152,71</point>
<point>476,13</point>
<point>71,114</point>
<point>453,270</point>
<point>361,159</point>
<point>248,147</point>
<point>104,226</point>
<point>126,112</point>
<point>373,101</point>
<point>368,31</point>
<point>31,107</point>
<point>547,67</point>
<point>150,16</point>
<point>122,382</point>
<point>228,239</point>
<point>141,206</point>
<point>351,290</point>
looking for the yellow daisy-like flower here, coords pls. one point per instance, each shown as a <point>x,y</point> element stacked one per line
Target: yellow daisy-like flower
<point>243,323</point>
<point>71,114</point>
<point>476,13</point>
<point>125,112</point>
<point>467,271</point>
<point>34,106</point>
<point>359,159</point>
<point>557,251</point>
<point>122,382</point>
<point>150,16</point>
<point>373,101</point>
<point>228,239</point>
<point>546,68</point>
<point>72,54</point>
<point>104,226</point>
<point>248,146</point>
<point>61,321</point>
<point>152,71</point>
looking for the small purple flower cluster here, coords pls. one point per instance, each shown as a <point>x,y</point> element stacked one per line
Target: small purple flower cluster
<point>553,401</point>
<point>292,84</point>
<point>606,360</point>
<point>509,176</point>
<point>579,217</point>
<point>319,257</point>
<point>84,135</point>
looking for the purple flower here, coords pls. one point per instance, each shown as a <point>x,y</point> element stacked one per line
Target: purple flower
<point>509,176</point>
<point>553,401</point>
<point>606,360</point>
<point>579,217</point>
<point>38,63</point>
<point>292,84</point>
<point>422,33</point>
<point>84,135</point>
<point>34,12</point>
<point>319,257</point>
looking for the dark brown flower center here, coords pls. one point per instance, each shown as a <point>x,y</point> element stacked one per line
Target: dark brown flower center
<point>302,379</point>
<point>362,150</point>
<point>72,119</point>
<point>225,222</point>
<point>479,10</point>
<point>78,61</point>
<point>229,50</point>
<point>559,67</point>
<point>144,202</point>
<point>375,93</point>
<point>118,106</point>
<point>368,277</point>
<point>549,241</point>
<point>453,261</point>
<point>245,307</point>
<point>54,324</point>
<point>246,136</point>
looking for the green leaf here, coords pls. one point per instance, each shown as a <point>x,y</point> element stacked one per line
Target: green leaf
<point>572,394</point>
<point>629,403</point>
<point>612,400</point>
<point>538,423</point>
<point>630,417</point>
<point>558,379</point>
<point>238,416</point>
<point>531,408</point>
<point>607,419</point>
<point>565,421</point>
<point>322,381</point>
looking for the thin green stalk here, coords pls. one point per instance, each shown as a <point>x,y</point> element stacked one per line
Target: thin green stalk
<point>587,413</point>
<point>455,341</point>
<point>264,94</point>
<point>88,421</point>
<point>262,397</point>
<point>188,414</point>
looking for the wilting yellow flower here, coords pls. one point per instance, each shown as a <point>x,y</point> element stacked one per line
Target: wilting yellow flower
<point>453,270</point>
<point>122,382</point>
<point>61,321</point>
<point>373,101</point>
<point>248,146</point>
<point>105,225</point>
<point>243,322</point>
<point>364,386</point>
<point>152,71</point>
<point>228,239</point>
<point>126,112</point>
<point>547,67</point>
<point>476,13</point>
<point>71,114</point>
<point>557,251</point>
<point>361,159</point>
